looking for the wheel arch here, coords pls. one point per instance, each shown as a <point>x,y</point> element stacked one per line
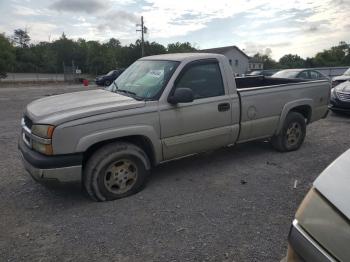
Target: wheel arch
<point>144,137</point>
<point>302,106</point>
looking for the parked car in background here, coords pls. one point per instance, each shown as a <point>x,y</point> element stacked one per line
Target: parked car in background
<point>107,79</point>
<point>262,73</point>
<point>340,97</point>
<point>300,74</point>
<point>321,228</point>
<point>342,78</point>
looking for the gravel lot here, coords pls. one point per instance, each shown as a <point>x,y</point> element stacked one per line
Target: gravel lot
<point>194,209</point>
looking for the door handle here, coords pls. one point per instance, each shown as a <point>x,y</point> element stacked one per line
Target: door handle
<point>223,107</point>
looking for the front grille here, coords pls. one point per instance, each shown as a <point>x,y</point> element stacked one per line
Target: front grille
<point>343,96</point>
<point>28,122</point>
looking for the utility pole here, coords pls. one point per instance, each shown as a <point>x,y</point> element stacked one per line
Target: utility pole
<point>143,31</point>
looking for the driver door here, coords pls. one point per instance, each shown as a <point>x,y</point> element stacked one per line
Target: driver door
<point>203,124</point>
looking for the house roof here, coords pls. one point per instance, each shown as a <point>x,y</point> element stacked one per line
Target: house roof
<point>222,50</point>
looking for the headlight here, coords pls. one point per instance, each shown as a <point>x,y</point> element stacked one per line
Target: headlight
<point>41,139</point>
<point>42,148</point>
<point>333,93</point>
<point>45,131</point>
<point>325,224</point>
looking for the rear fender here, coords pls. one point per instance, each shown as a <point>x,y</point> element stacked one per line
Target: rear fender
<point>288,107</point>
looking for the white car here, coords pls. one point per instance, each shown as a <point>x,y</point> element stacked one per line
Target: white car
<point>321,228</point>
<point>342,78</point>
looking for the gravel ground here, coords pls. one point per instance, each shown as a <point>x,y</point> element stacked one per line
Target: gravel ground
<point>234,204</point>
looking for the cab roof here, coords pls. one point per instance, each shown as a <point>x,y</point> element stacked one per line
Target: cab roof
<point>182,56</point>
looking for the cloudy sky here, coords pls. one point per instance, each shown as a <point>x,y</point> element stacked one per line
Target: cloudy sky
<point>301,27</point>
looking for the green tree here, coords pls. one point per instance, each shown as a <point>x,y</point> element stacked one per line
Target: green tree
<point>180,47</point>
<point>21,38</point>
<point>291,61</point>
<point>269,63</point>
<point>335,56</point>
<point>95,58</point>
<point>7,56</point>
<point>66,50</point>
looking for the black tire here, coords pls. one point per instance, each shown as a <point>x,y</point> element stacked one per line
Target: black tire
<point>292,134</point>
<point>107,83</point>
<point>109,173</point>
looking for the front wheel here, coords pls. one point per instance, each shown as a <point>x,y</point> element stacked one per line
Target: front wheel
<point>292,134</point>
<point>115,171</point>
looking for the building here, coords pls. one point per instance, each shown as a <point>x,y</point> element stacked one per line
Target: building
<point>239,61</point>
<point>255,64</point>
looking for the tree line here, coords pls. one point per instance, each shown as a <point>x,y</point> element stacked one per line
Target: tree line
<point>18,54</point>
<point>338,55</point>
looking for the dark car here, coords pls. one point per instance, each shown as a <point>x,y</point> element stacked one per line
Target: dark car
<point>308,74</point>
<point>107,79</point>
<point>263,72</point>
<point>340,98</point>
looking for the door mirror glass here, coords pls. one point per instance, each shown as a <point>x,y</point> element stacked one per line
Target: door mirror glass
<point>181,95</point>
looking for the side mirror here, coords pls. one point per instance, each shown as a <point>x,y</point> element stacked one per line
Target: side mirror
<point>181,95</point>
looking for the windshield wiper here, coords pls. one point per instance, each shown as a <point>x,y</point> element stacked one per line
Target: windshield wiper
<point>129,93</point>
<point>126,92</point>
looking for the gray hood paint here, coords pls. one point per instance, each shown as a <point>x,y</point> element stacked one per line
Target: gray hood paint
<point>334,183</point>
<point>62,108</point>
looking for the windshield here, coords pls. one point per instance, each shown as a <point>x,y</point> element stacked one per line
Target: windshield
<point>286,74</point>
<point>347,72</point>
<point>145,78</point>
<point>256,73</point>
<point>110,73</point>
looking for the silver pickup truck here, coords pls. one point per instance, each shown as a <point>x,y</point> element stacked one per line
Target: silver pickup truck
<point>161,108</point>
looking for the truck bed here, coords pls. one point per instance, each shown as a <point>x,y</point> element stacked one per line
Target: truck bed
<point>260,81</point>
<point>265,99</point>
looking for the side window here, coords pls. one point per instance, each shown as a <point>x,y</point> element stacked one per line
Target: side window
<point>236,62</point>
<point>315,75</point>
<point>204,79</point>
<point>303,75</point>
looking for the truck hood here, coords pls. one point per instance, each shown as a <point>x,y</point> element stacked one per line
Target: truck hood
<point>334,183</point>
<point>62,108</point>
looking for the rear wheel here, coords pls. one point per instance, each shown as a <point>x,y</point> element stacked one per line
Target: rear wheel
<point>292,134</point>
<point>107,83</point>
<point>116,171</point>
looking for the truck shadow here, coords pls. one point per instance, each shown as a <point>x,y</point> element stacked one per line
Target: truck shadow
<point>341,115</point>
<point>220,157</point>
<point>176,169</point>
<point>67,192</point>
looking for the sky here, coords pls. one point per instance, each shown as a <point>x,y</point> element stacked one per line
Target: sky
<point>302,27</point>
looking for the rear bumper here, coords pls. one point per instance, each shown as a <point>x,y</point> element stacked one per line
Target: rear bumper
<point>47,169</point>
<point>303,247</point>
